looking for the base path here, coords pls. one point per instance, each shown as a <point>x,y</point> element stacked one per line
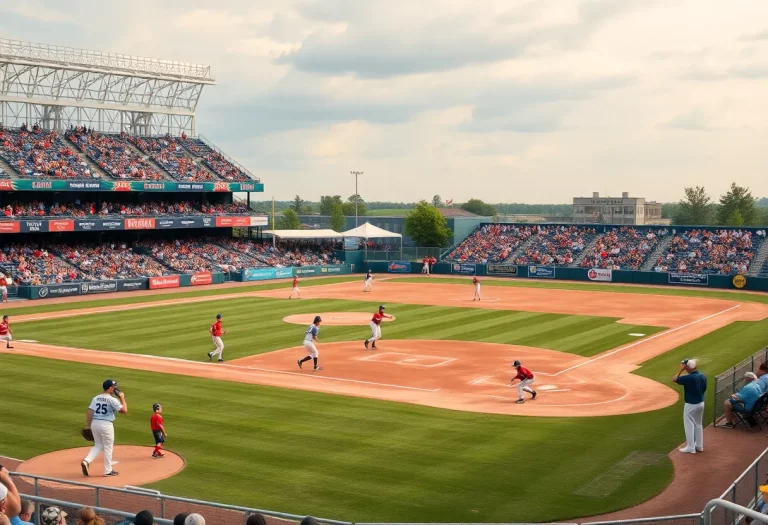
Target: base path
<point>135,465</point>
<point>335,318</point>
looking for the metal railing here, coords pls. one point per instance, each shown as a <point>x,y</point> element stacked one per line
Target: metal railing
<point>738,511</point>
<point>409,254</point>
<point>110,516</point>
<point>730,381</point>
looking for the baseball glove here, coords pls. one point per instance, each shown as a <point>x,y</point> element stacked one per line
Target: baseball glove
<point>87,434</point>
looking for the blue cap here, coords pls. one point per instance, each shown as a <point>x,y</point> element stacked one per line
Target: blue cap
<point>317,319</point>
<point>381,307</point>
<point>109,383</point>
<point>218,316</point>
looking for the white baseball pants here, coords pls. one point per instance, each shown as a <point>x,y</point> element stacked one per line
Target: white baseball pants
<point>104,440</point>
<point>219,344</point>
<point>368,284</point>
<point>694,431</point>
<point>295,291</point>
<point>311,348</point>
<point>522,386</point>
<point>477,292</point>
<point>4,293</point>
<point>6,337</point>
<point>375,332</point>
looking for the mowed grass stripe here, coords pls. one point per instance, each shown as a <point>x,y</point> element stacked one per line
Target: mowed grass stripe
<point>255,325</point>
<point>360,459</point>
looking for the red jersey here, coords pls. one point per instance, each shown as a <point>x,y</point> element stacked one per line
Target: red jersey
<point>432,260</point>
<point>5,328</point>
<point>216,329</point>
<point>295,282</point>
<point>3,282</point>
<point>475,281</point>
<point>156,421</point>
<point>523,373</point>
<point>377,317</point>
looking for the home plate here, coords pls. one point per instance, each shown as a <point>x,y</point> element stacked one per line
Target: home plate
<point>637,335</point>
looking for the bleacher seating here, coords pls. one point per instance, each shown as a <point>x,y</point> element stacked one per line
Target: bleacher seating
<point>33,264</point>
<point>556,245</point>
<point>214,160</point>
<point>624,248</point>
<point>167,152</point>
<point>490,243</point>
<point>113,154</point>
<point>109,261</point>
<point>286,253</point>
<point>42,154</point>
<point>704,251</point>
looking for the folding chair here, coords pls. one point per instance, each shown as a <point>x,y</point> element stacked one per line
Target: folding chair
<point>751,418</point>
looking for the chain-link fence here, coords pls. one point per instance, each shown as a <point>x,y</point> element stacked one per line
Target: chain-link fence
<point>409,254</point>
<point>729,382</point>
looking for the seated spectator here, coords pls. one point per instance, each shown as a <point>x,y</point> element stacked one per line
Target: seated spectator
<point>742,401</point>
<point>53,516</point>
<point>180,518</point>
<point>113,154</point>
<point>87,516</point>
<point>25,515</point>
<point>214,160</point>
<point>40,153</point>
<point>721,252</point>
<point>194,519</point>
<point>255,519</point>
<point>10,502</point>
<point>762,377</point>
<point>144,518</point>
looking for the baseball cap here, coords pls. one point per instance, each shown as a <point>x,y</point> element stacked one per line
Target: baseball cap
<point>692,363</point>
<point>194,519</point>
<point>3,492</point>
<point>317,319</point>
<point>155,406</point>
<point>52,516</point>
<point>750,375</point>
<point>381,307</point>
<point>108,383</point>
<point>219,316</point>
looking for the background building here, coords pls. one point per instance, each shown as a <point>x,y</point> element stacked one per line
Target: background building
<point>616,210</point>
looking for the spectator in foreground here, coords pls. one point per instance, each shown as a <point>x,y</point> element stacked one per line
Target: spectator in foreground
<point>742,401</point>
<point>694,385</point>
<point>309,520</point>
<point>194,519</point>
<point>10,503</point>
<point>53,516</point>
<point>144,518</point>
<point>88,516</point>
<point>762,377</point>
<point>180,518</point>
<point>25,516</point>
<point>256,519</point>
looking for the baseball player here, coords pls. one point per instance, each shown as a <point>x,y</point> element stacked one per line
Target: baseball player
<point>100,418</point>
<point>295,290</point>
<point>476,282</point>
<point>5,332</point>
<point>526,377</point>
<point>376,327</point>
<point>216,333</point>
<point>4,288</point>
<point>310,338</point>
<point>425,266</point>
<point>368,282</point>
<point>158,430</point>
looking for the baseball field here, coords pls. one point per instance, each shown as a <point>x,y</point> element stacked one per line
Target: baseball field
<point>423,429</point>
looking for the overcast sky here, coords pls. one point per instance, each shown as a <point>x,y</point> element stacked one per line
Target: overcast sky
<point>508,101</point>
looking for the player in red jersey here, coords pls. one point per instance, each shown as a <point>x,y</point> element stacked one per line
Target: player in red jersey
<point>376,327</point>
<point>295,290</point>
<point>158,430</point>
<point>526,377</point>
<point>216,333</point>
<point>476,282</point>
<point>5,332</point>
<point>432,263</point>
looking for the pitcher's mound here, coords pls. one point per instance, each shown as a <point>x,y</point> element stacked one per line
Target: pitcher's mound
<point>335,318</point>
<point>135,465</point>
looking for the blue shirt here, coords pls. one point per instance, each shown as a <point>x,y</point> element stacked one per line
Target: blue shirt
<point>311,332</point>
<point>694,385</point>
<point>763,382</point>
<point>17,521</point>
<point>749,394</point>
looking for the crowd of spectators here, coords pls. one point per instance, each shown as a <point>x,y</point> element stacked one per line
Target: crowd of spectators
<point>35,265</point>
<point>183,257</point>
<point>213,159</point>
<point>113,154</point>
<point>556,245</point>
<point>98,262</point>
<point>702,251</point>
<point>624,248</point>
<point>289,253</point>
<point>167,152</point>
<point>491,243</point>
<point>39,153</point>
<point>93,209</point>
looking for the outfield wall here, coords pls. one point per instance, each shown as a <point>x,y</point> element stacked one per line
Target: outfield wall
<point>537,272</point>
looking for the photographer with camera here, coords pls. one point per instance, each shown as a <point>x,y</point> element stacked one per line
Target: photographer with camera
<point>694,385</point>
<point>99,423</point>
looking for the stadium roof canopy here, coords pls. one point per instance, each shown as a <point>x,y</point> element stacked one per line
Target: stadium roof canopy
<point>304,234</point>
<point>369,231</point>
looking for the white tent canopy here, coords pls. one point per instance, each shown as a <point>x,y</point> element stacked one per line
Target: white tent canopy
<point>369,231</point>
<point>305,234</point>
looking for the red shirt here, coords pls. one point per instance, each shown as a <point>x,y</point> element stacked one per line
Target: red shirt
<point>475,281</point>
<point>426,260</point>
<point>216,329</point>
<point>4,328</point>
<point>156,422</point>
<point>3,282</point>
<point>432,260</point>
<point>377,317</point>
<point>523,373</point>
<point>295,282</point>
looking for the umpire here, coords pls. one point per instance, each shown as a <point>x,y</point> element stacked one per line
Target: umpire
<point>694,385</point>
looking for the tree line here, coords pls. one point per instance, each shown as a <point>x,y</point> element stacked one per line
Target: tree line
<point>737,207</point>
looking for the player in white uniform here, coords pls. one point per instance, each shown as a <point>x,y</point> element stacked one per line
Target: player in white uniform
<point>368,282</point>
<point>100,419</point>
<point>4,283</point>
<point>310,338</point>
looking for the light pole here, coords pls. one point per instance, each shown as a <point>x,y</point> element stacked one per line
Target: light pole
<point>357,197</point>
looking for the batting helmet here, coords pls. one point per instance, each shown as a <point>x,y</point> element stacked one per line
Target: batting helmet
<point>516,363</point>
<point>155,407</point>
<point>317,319</point>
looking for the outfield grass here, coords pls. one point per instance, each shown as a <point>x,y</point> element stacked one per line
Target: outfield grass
<point>256,325</point>
<point>367,460</point>
<point>397,212</point>
<point>753,297</point>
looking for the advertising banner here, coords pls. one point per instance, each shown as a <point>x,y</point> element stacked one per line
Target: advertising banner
<point>142,223</point>
<point>33,226</point>
<point>283,273</point>
<point>501,269</point>
<point>699,279</point>
<point>166,281</point>
<point>98,287</point>
<point>55,290</point>
<point>222,221</point>
<point>128,285</point>
<point>61,225</point>
<point>200,278</point>
<point>127,185</point>
<point>463,268</point>
<point>9,227</point>
<point>259,274</point>
<point>600,274</point>
<point>334,268</point>
<point>351,243</point>
<point>259,220</point>
<point>546,272</point>
<point>399,267</point>
<point>306,270</point>
<point>137,223</point>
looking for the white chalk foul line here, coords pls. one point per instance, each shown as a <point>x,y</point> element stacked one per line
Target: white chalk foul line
<point>627,347</point>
